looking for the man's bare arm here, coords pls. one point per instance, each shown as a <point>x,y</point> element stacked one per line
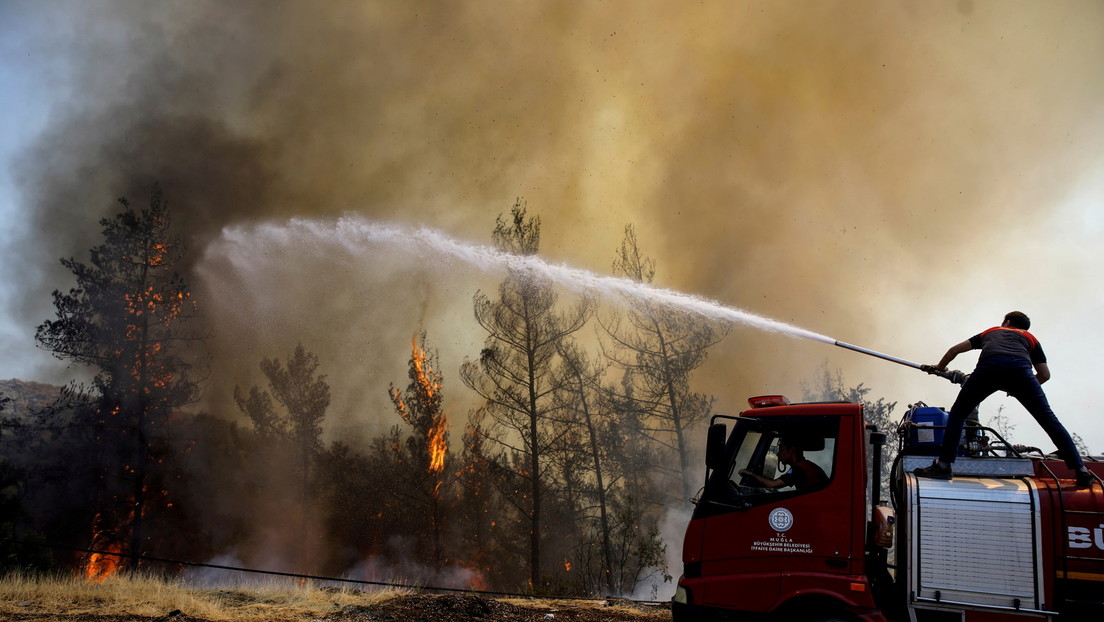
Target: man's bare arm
<point>1042,372</point>
<point>955,350</point>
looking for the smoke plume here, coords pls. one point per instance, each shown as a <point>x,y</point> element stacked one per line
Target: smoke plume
<point>838,167</point>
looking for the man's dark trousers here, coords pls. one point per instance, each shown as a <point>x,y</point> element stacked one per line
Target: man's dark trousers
<point>1015,376</point>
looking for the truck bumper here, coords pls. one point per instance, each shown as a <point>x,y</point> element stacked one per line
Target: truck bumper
<point>683,609</point>
<point>683,612</point>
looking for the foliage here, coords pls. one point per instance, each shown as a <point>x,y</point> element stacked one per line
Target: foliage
<point>1003,426</point>
<point>304,396</point>
<point>127,318</point>
<point>422,460</point>
<point>564,472</point>
<point>15,555</point>
<point>1081,445</point>
<point>128,314</point>
<point>514,373</point>
<point>827,386</point>
<point>294,429</point>
<point>659,348</point>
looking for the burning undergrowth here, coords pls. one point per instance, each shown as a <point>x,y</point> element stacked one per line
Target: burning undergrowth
<point>557,486</point>
<point>560,480</point>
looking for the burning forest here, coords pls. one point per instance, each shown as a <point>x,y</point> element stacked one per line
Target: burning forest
<point>552,487</point>
<point>323,337</point>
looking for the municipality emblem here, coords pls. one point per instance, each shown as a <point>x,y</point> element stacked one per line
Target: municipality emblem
<point>780,519</point>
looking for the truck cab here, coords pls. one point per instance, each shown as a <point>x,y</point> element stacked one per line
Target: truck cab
<point>1009,537</point>
<point>749,547</point>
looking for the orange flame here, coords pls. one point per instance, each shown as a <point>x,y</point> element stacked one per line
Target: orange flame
<point>430,386</point>
<point>438,446</point>
<point>423,372</point>
<point>478,582</point>
<point>99,566</point>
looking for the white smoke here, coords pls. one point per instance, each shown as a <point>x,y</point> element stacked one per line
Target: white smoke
<point>228,571</point>
<point>414,574</point>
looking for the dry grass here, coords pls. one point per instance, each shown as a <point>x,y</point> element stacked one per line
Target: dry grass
<point>622,607</point>
<point>140,595</point>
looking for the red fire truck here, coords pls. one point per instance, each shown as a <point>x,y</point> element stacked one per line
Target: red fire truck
<point>1010,537</point>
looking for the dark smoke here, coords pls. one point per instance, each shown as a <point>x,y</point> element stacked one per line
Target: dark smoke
<point>814,163</point>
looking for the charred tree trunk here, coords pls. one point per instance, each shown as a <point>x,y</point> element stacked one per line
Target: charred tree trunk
<point>534,467</point>
<point>580,389</point>
<point>675,414</point>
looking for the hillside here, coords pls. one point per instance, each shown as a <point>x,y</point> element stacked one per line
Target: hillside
<point>27,396</point>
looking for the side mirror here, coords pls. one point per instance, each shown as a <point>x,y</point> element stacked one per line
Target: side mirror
<point>715,446</point>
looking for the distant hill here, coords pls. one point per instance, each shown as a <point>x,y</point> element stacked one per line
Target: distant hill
<point>26,396</point>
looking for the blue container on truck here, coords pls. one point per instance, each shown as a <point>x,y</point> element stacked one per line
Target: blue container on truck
<point>924,427</point>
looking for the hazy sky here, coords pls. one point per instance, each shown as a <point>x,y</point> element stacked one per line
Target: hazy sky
<point>896,175</point>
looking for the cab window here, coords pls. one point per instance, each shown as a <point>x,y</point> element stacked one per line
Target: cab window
<point>780,457</point>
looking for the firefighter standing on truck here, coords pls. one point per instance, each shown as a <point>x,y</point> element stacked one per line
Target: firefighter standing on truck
<point>1008,354</point>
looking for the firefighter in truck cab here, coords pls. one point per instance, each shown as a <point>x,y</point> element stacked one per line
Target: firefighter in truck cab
<point>802,474</point>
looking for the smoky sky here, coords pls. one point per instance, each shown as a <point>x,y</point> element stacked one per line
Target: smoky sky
<point>807,161</point>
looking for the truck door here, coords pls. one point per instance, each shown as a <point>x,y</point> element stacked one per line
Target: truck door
<point>778,539</point>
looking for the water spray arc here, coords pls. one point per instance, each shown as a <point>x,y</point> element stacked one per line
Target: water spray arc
<point>355,234</point>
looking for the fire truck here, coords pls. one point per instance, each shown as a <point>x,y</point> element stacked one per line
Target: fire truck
<point>1009,537</point>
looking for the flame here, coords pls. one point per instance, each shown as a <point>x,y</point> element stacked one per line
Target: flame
<point>101,565</point>
<point>423,372</point>
<point>567,565</point>
<point>438,445</point>
<point>478,581</point>
<point>430,387</point>
<point>421,408</point>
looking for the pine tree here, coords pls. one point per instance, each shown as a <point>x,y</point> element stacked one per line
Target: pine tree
<point>295,428</point>
<point>584,408</point>
<point>304,395</point>
<point>127,318</point>
<point>514,372</point>
<point>425,451</point>
<point>660,349</point>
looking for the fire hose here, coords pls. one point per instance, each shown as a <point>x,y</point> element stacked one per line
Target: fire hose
<point>954,376</point>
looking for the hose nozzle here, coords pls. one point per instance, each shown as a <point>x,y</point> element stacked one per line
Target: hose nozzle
<point>953,375</point>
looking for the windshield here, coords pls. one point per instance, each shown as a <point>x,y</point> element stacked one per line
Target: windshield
<point>782,455</point>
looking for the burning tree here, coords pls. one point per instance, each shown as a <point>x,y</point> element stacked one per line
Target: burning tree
<point>475,476</point>
<point>514,374</point>
<point>127,318</point>
<point>425,452</point>
<point>659,351</point>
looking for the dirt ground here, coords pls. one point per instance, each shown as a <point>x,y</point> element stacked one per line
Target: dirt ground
<point>425,608</point>
<point>473,608</point>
